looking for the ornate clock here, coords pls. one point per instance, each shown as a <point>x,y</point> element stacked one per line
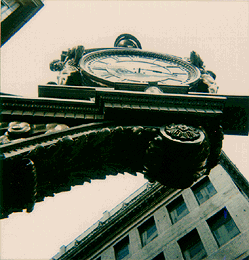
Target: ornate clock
<point>133,66</point>
<point>127,65</point>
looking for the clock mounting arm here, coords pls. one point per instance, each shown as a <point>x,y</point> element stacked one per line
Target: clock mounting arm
<point>175,155</point>
<point>150,131</point>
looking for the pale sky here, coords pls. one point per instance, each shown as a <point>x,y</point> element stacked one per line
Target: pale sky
<point>218,31</point>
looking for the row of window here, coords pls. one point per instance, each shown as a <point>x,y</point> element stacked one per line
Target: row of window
<point>203,190</point>
<point>223,229</point>
<point>221,225</point>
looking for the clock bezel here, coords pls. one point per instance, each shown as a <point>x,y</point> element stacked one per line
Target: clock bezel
<point>193,72</point>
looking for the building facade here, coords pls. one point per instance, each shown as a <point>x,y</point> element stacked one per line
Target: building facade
<point>209,220</point>
<point>15,14</point>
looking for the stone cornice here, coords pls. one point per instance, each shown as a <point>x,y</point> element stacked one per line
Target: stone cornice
<point>235,174</point>
<point>46,107</point>
<point>108,104</point>
<point>164,100</point>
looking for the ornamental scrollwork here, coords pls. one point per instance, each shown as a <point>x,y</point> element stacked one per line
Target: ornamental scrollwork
<point>16,131</point>
<point>175,159</point>
<point>159,153</point>
<point>182,132</point>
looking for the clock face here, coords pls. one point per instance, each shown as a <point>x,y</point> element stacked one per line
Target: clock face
<point>123,65</point>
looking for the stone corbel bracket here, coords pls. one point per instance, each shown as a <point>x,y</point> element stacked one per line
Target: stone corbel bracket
<point>174,155</point>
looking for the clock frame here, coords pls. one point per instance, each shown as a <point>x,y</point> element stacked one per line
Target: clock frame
<point>122,66</point>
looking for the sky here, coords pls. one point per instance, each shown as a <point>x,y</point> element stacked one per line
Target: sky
<point>217,30</point>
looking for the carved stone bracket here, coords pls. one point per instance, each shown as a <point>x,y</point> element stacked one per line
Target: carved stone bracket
<point>174,155</point>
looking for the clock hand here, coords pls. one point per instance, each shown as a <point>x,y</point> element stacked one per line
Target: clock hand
<point>121,69</point>
<point>158,71</point>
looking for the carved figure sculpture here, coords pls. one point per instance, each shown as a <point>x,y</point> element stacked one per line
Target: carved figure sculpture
<point>207,82</point>
<point>68,67</point>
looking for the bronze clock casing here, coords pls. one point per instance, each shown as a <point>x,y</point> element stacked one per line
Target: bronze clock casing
<point>117,66</point>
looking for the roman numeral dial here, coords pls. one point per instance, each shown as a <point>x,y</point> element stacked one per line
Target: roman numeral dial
<point>111,66</point>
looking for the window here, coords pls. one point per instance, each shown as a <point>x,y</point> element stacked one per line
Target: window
<point>203,190</point>
<point>177,209</point>
<point>192,247</point>
<point>122,248</point>
<point>8,7</point>
<point>159,257</point>
<point>223,227</point>
<point>148,231</point>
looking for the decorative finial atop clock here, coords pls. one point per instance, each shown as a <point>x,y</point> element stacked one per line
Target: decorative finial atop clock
<point>128,41</point>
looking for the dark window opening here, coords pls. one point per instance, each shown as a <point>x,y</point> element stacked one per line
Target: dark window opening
<point>159,257</point>
<point>192,247</point>
<point>177,209</point>
<point>148,231</point>
<point>122,248</point>
<point>223,227</point>
<point>203,190</point>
